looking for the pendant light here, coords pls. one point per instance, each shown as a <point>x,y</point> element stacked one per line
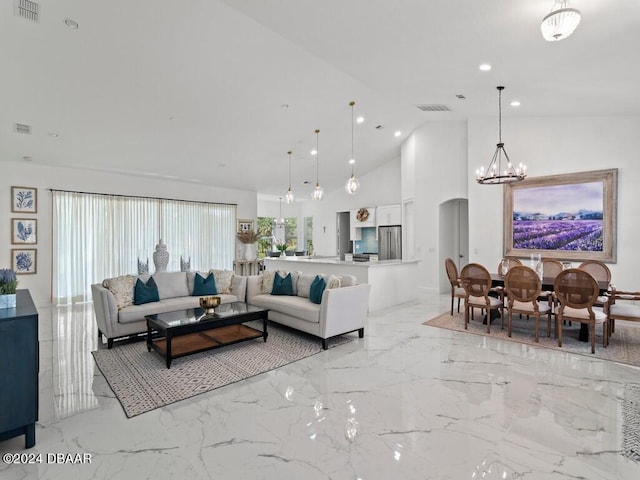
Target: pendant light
<point>352,184</point>
<point>280,219</point>
<point>560,22</point>
<point>289,197</point>
<point>318,192</point>
<point>495,174</point>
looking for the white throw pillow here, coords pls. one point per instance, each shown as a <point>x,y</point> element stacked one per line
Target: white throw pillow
<point>171,284</point>
<point>333,281</point>
<point>122,289</point>
<point>304,284</point>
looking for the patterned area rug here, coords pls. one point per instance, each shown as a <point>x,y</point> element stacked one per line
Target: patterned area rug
<point>624,345</point>
<point>631,422</point>
<point>142,382</point>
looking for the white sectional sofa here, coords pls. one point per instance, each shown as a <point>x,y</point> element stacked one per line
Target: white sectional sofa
<point>118,317</point>
<point>343,309</point>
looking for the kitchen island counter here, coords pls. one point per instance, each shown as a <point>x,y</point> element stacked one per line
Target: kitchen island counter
<point>392,281</point>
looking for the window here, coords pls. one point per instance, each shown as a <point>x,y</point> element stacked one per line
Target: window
<point>265,234</point>
<point>308,234</point>
<point>101,236</point>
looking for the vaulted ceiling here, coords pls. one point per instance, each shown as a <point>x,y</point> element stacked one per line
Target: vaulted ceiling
<point>218,91</point>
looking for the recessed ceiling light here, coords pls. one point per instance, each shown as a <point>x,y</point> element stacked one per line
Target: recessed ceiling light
<point>397,133</point>
<point>485,67</point>
<point>314,152</point>
<point>53,134</point>
<point>71,23</point>
<point>515,103</point>
<point>460,96</point>
<point>352,161</point>
<point>360,119</point>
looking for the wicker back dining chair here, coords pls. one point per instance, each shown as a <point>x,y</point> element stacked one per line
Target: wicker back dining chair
<point>511,262</point>
<point>476,281</point>
<point>523,289</point>
<point>577,291</point>
<point>457,291</point>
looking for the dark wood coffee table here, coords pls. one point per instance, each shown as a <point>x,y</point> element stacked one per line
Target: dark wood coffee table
<point>185,332</point>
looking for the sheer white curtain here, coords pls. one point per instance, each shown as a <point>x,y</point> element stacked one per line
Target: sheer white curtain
<point>101,236</point>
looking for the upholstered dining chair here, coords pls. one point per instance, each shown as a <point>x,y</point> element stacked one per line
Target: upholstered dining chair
<point>523,289</point>
<point>511,262</point>
<point>577,291</point>
<point>476,281</point>
<point>550,269</point>
<point>457,291</point>
<point>622,305</point>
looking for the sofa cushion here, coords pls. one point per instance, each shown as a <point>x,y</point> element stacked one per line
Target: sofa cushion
<point>204,286</point>
<point>122,289</point>
<point>282,285</point>
<point>171,284</point>
<point>145,292</point>
<point>136,313</point>
<point>267,281</point>
<point>332,281</point>
<point>224,279</point>
<point>348,280</point>
<point>293,306</point>
<point>191,279</point>
<point>317,289</point>
<point>304,284</point>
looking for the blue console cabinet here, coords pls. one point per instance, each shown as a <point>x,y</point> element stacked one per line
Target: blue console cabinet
<point>19,366</point>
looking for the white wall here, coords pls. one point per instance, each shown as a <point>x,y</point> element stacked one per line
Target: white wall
<point>555,145</point>
<point>434,171</point>
<point>45,177</point>
<point>378,187</point>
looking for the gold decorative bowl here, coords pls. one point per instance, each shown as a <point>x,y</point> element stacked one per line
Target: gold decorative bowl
<point>209,304</point>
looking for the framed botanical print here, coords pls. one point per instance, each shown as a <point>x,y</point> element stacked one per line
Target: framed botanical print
<point>24,230</point>
<point>24,260</point>
<point>24,200</point>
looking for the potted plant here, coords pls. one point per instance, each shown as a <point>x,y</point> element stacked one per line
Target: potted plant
<point>248,239</point>
<point>8,285</point>
<point>282,247</point>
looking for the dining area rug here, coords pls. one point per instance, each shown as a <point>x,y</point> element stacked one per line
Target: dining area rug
<point>624,344</point>
<point>142,382</point>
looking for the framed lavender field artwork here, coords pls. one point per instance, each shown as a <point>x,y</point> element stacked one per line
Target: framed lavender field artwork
<point>24,260</point>
<point>566,217</point>
<point>24,230</point>
<point>24,200</point>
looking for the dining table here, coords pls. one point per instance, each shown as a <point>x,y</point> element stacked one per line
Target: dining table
<point>497,280</point>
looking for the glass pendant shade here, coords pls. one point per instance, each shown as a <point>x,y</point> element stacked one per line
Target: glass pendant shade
<point>289,197</point>
<point>318,192</point>
<point>560,23</point>
<point>352,184</point>
<point>500,169</point>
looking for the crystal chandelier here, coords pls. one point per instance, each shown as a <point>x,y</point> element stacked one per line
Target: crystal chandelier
<point>289,197</point>
<point>318,192</point>
<point>495,174</point>
<point>560,22</point>
<point>352,184</point>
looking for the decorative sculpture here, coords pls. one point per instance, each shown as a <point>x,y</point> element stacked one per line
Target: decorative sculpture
<point>143,267</point>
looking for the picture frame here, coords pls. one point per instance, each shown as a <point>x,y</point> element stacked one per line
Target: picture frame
<point>566,217</point>
<point>245,226</point>
<point>24,231</point>
<point>24,200</point>
<point>24,261</point>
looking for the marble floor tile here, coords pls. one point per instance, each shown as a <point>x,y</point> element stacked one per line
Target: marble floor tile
<point>407,401</point>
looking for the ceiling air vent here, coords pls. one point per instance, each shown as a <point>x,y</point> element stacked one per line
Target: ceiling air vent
<point>22,128</point>
<point>27,9</point>
<point>433,108</point>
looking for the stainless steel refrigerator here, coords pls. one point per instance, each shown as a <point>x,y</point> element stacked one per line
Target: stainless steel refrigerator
<point>390,243</point>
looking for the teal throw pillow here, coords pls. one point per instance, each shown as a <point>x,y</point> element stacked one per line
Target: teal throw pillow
<point>317,288</point>
<point>282,285</point>
<point>145,292</point>
<point>204,286</point>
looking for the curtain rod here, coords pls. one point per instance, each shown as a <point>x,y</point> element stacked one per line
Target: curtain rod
<point>140,196</point>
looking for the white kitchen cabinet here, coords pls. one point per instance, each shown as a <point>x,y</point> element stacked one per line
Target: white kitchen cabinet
<point>356,226</point>
<point>389,215</point>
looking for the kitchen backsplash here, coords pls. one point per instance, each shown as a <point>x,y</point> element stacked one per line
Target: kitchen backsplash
<point>369,243</point>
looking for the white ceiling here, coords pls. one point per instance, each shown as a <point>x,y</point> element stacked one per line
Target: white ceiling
<point>193,89</point>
